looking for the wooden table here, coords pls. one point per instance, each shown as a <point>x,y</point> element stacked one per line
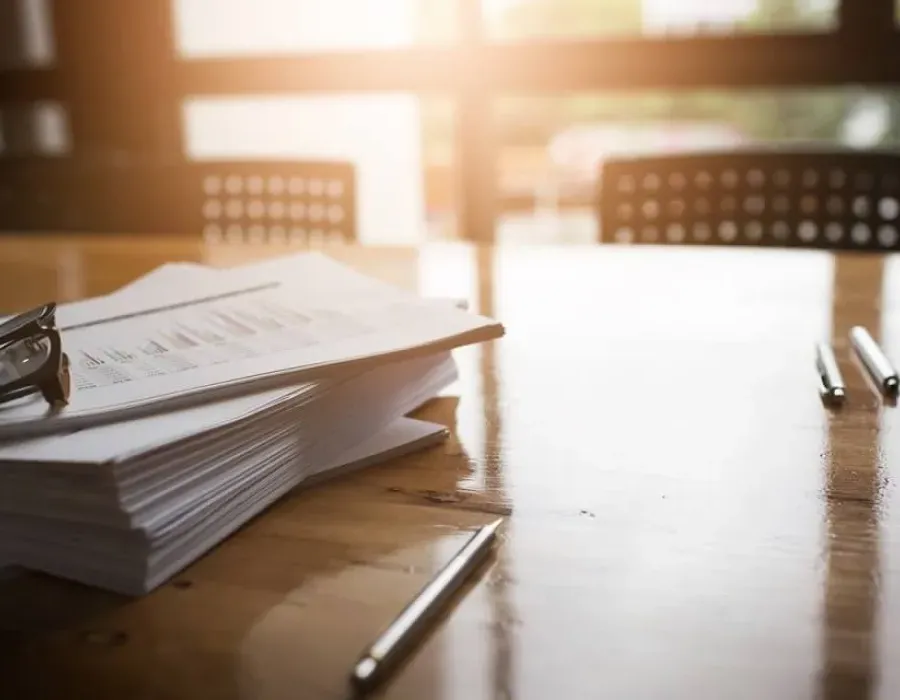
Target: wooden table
<point>687,520</point>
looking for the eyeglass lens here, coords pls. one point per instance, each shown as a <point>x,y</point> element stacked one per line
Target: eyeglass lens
<point>13,324</point>
<point>23,358</point>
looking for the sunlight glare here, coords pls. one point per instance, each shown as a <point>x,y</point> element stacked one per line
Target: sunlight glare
<point>216,27</point>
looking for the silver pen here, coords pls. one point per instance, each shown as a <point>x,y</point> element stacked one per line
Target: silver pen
<point>394,641</point>
<point>876,362</point>
<point>831,382</point>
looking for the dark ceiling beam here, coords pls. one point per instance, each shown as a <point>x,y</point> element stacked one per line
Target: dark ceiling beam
<point>716,62</point>
<point>797,60</point>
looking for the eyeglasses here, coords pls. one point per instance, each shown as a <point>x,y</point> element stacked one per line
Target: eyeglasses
<point>31,357</point>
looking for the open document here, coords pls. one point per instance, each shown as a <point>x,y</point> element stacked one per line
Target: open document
<point>272,324</point>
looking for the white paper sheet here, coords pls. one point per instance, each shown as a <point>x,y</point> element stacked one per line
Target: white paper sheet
<point>118,441</point>
<point>274,323</point>
<point>70,554</point>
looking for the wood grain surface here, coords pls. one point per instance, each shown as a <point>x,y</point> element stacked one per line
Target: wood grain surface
<point>686,519</point>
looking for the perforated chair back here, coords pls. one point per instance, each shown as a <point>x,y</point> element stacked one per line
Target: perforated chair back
<point>274,201</point>
<point>816,199</point>
<point>232,201</point>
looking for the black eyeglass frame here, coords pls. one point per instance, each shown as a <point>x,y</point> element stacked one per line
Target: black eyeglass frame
<point>51,379</point>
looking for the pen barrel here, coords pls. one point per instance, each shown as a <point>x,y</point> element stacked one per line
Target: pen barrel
<point>874,359</point>
<point>829,370</point>
<point>409,626</point>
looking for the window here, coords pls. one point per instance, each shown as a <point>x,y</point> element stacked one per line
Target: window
<point>52,128</point>
<point>26,35</point>
<point>552,147</point>
<point>399,144</point>
<point>524,19</point>
<point>206,28</point>
<point>40,128</point>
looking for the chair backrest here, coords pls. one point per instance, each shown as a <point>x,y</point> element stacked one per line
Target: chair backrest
<point>846,200</point>
<point>234,201</point>
<point>273,200</point>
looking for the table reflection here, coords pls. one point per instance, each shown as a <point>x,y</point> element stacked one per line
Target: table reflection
<point>853,493</point>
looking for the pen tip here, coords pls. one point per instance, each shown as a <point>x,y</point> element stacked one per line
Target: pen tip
<point>363,670</point>
<point>494,526</point>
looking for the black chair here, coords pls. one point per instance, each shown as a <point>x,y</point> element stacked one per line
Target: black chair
<point>234,201</point>
<point>848,200</point>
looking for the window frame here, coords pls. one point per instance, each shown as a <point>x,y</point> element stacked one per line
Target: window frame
<point>95,75</point>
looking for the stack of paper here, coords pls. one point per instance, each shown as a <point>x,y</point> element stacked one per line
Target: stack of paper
<point>201,398</point>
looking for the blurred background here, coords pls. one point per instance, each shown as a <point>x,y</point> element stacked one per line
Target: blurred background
<point>484,119</point>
